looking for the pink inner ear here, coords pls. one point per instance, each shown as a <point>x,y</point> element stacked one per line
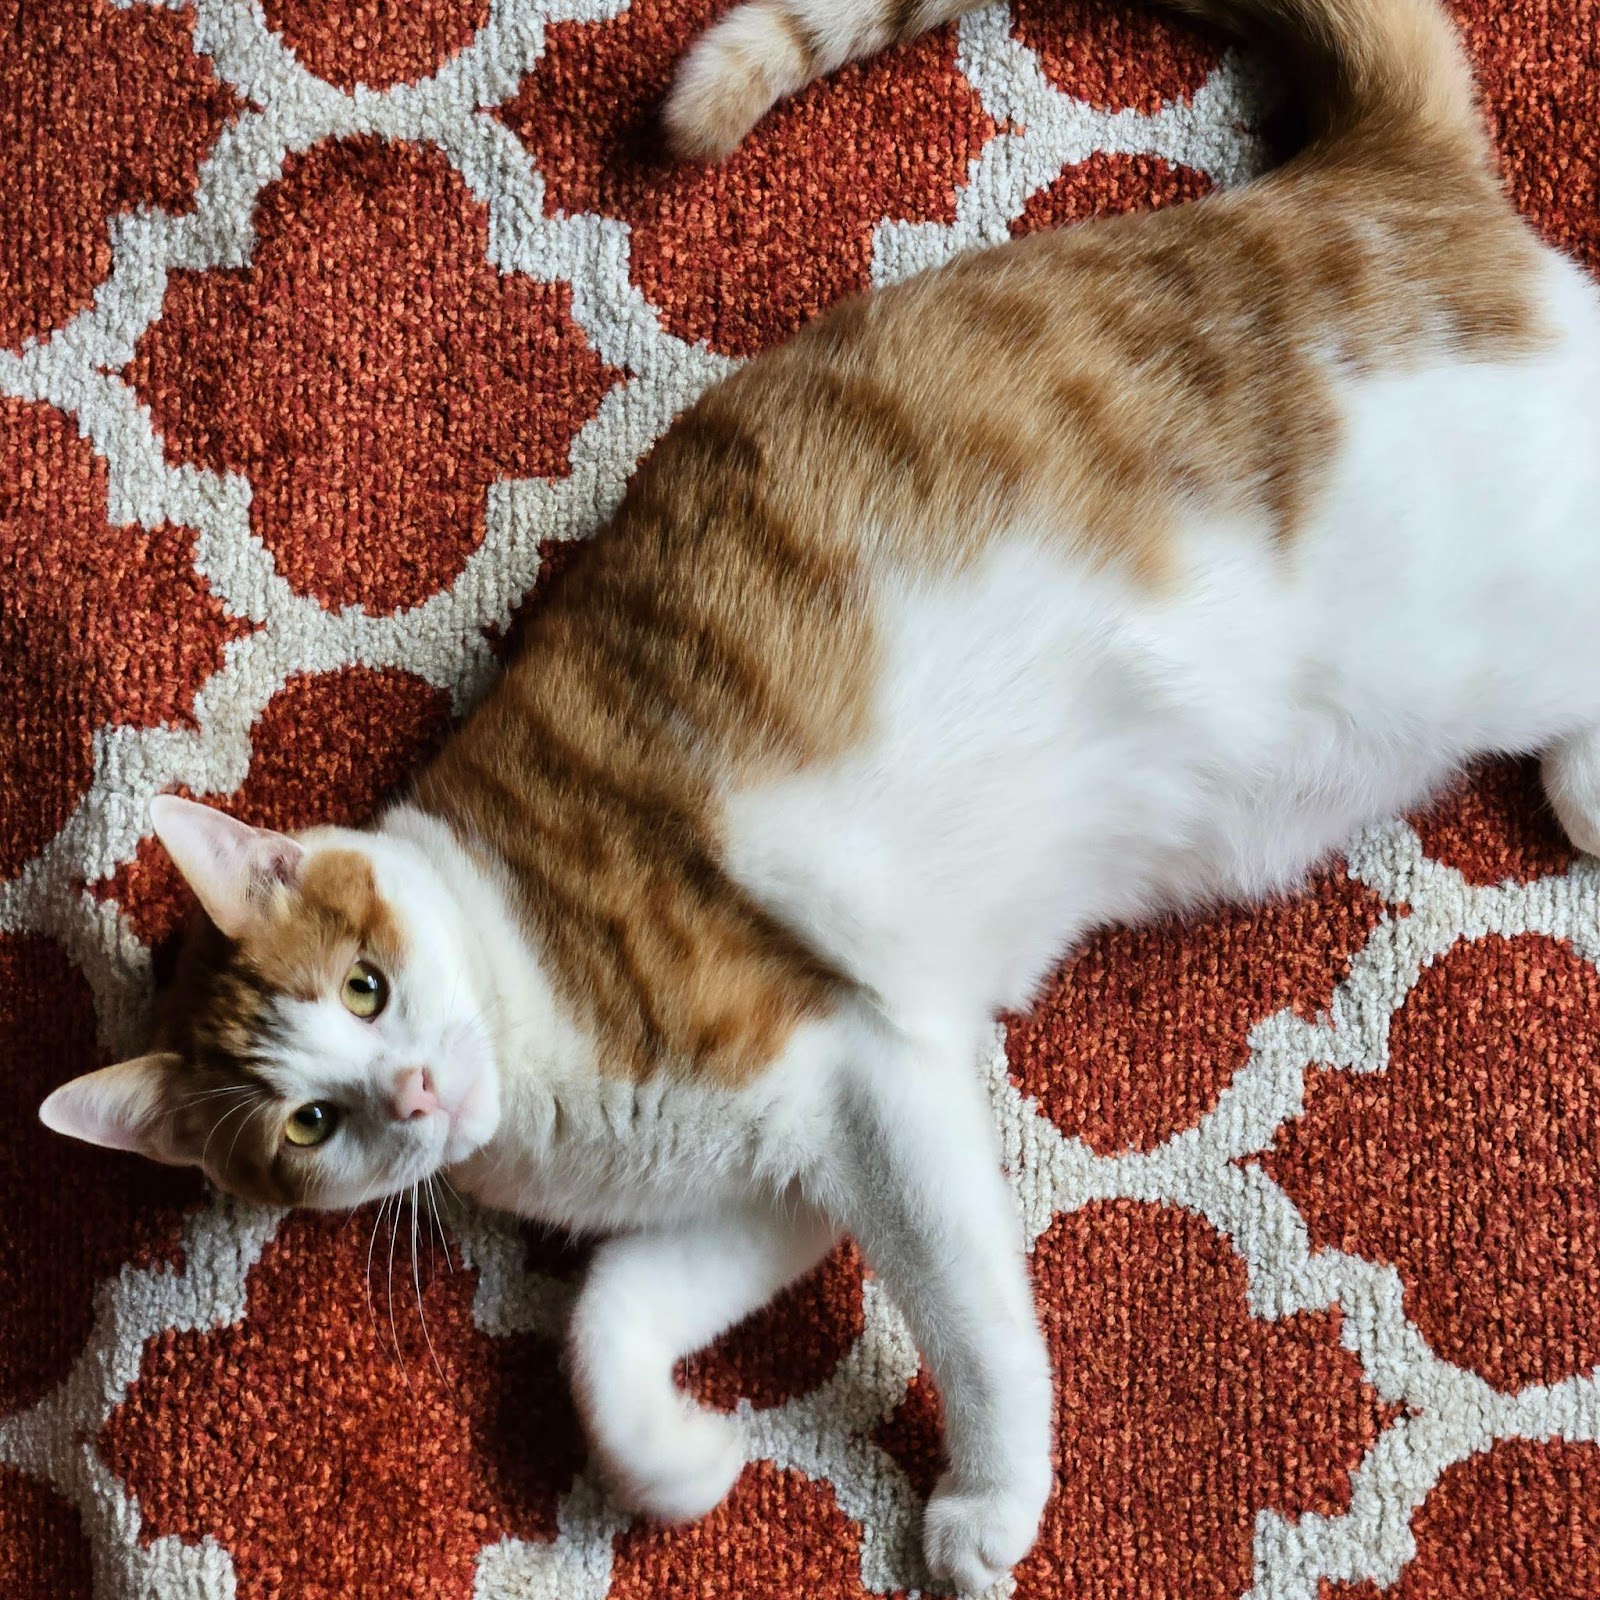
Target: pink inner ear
<point>121,1107</point>
<point>275,859</point>
<point>226,862</point>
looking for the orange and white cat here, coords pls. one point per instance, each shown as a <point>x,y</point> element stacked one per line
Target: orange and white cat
<point>1098,575</point>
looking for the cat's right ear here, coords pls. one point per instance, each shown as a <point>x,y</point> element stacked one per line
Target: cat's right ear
<point>232,867</point>
<point>124,1107</point>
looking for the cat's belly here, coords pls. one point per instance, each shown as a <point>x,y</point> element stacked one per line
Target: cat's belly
<point>1030,772</point>
<point>1053,749</point>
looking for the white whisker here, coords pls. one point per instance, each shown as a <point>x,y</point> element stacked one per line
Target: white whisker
<point>416,1279</point>
<point>237,1090</point>
<point>416,1191</point>
<point>377,1222</point>
<point>262,1106</point>
<point>394,1330</point>
<point>232,1111</point>
<point>355,1210</point>
<point>438,1222</point>
<point>215,1094</point>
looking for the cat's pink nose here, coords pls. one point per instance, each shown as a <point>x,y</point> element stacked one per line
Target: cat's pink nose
<point>413,1094</point>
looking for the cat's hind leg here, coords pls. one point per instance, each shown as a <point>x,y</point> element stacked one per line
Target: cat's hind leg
<point>651,1298</point>
<point>1571,771</point>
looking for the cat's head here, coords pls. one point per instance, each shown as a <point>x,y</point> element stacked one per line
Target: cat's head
<point>324,1042</point>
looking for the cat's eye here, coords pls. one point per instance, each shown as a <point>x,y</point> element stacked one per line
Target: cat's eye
<point>365,992</point>
<point>311,1125</point>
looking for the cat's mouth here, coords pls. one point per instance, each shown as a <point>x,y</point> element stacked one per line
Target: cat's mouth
<point>447,1135</point>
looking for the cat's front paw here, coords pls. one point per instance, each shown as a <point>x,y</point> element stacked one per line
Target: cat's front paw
<point>678,1467</point>
<point>972,1537</point>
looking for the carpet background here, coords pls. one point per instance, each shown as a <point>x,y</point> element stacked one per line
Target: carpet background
<point>326,326</point>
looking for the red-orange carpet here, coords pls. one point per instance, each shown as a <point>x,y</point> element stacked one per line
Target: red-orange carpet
<point>325,326</point>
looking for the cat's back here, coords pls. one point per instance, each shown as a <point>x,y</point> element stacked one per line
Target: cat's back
<point>879,587</point>
<point>1102,388</point>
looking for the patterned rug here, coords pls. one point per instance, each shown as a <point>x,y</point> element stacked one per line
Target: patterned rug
<point>326,326</point>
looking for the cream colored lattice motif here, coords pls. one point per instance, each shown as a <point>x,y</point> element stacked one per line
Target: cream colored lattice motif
<point>1444,1413</point>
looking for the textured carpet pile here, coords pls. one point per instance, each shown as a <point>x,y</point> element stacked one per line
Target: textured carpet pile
<point>326,326</point>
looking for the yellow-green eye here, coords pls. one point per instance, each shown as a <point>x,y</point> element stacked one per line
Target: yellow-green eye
<point>312,1124</point>
<point>365,992</point>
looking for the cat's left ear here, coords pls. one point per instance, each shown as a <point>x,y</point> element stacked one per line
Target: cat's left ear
<point>125,1107</point>
<point>234,869</point>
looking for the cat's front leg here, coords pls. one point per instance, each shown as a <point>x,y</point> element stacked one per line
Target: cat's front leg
<point>651,1298</point>
<point>916,1178</point>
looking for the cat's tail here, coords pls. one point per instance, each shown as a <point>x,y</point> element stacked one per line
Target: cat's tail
<point>1389,70</point>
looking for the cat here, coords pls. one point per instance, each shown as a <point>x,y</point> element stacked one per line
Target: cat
<point>1106,573</point>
